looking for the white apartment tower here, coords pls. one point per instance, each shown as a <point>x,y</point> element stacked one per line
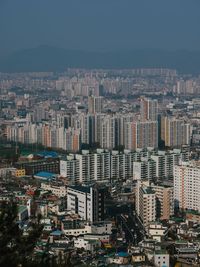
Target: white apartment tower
<point>187,185</point>
<point>86,167</point>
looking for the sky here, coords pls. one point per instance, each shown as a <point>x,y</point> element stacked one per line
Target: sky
<point>99,25</point>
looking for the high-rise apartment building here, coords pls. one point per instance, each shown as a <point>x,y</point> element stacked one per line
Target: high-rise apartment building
<point>187,185</point>
<point>144,169</point>
<point>181,87</point>
<point>87,128</point>
<point>141,134</point>
<point>148,109</point>
<point>103,165</point>
<point>70,168</point>
<point>165,161</point>
<point>117,165</point>
<point>86,167</point>
<point>145,204</point>
<point>175,132</point>
<point>95,104</point>
<point>187,87</point>
<point>164,201</point>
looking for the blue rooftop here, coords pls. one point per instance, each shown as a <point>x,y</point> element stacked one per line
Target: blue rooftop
<point>45,175</point>
<point>56,233</point>
<point>122,254</point>
<point>47,154</point>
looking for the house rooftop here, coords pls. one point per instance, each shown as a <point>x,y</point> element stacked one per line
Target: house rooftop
<point>160,252</point>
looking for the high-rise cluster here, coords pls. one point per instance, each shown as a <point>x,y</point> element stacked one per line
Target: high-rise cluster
<point>104,165</point>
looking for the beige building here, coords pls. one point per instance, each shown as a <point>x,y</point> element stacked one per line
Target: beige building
<point>95,104</point>
<point>60,191</point>
<point>175,132</point>
<point>148,109</point>
<point>164,201</point>
<point>138,258</point>
<point>141,134</point>
<point>145,204</point>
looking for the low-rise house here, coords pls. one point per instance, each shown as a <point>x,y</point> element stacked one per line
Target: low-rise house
<point>161,258</point>
<point>157,231</point>
<point>72,225</point>
<point>138,258</point>
<point>47,227</point>
<point>20,172</point>
<point>104,238</point>
<point>42,208</point>
<point>192,217</point>
<point>104,227</point>
<point>57,190</point>
<point>121,258</point>
<point>87,244</point>
<point>7,172</point>
<point>85,229</point>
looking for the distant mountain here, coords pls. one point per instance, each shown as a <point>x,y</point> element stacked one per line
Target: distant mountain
<point>46,58</point>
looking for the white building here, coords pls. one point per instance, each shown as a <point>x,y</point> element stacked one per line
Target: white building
<point>60,191</point>
<point>86,229</point>
<point>187,185</point>
<point>80,227</point>
<point>165,161</point>
<point>144,169</point>
<point>70,168</point>
<point>104,227</point>
<point>87,202</point>
<point>161,258</point>
<point>157,231</point>
<point>87,244</point>
<point>86,167</point>
<point>103,165</point>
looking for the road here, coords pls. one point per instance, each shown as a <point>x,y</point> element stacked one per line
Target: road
<point>132,227</point>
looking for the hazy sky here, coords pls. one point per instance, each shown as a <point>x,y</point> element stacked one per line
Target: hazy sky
<point>99,24</point>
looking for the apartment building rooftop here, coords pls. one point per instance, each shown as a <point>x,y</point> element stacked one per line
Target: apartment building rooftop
<point>84,189</point>
<point>147,190</point>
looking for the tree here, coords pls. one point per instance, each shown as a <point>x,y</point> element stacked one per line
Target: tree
<point>10,235</point>
<point>15,249</point>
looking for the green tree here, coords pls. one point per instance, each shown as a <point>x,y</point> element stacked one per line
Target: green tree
<point>15,249</point>
<point>10,235</point>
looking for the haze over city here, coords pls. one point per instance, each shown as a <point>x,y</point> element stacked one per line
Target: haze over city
<point>106,25</point>
<point>99,133</point>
